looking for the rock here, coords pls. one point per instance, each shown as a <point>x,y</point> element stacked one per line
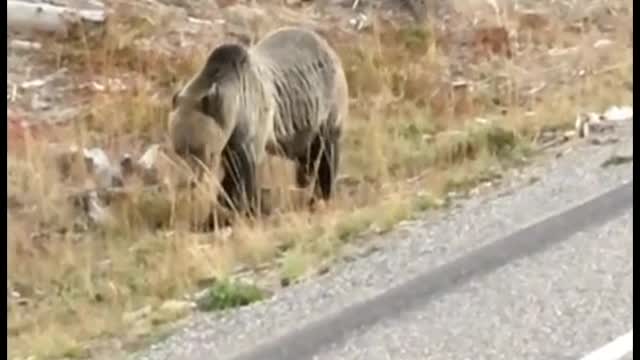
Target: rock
<point>145,167</point>
<point>360,22</point>
<point>172,310</point>
<point>135,316</point>
<point>616,113</point>
<point>106,175</point>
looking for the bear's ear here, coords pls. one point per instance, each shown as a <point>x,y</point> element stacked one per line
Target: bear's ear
<point>209,101</point>
<point>204,104</point>
<point>174,100</point>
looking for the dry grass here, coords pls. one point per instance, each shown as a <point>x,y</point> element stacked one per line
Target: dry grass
<point>411,132</point>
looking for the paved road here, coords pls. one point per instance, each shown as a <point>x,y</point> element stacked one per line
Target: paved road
<point>573,297</point>
<point>560,304</point>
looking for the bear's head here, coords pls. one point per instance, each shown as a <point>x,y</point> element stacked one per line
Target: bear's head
<point>199,120</point>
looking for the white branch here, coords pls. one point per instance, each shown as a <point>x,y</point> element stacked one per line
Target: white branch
<point>30,17</point>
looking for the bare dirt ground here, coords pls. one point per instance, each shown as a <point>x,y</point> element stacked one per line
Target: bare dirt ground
<point>436,108</point>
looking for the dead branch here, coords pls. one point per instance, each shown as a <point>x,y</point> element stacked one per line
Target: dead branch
<point>30,17</point>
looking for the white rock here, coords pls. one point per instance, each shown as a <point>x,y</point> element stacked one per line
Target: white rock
<point>616,113</point>
<point>148,159</point>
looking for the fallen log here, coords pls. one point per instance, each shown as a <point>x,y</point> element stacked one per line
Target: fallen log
<point>33,17</point>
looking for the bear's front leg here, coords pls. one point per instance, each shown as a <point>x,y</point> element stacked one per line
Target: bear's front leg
<point>239,184</point>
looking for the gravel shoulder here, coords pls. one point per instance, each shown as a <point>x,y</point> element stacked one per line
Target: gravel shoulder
<point>414,247</point>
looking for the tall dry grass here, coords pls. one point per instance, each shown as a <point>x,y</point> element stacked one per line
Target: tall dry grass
<point>414,135</point>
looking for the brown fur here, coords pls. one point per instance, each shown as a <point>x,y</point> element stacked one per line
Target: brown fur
<point>287,95</point>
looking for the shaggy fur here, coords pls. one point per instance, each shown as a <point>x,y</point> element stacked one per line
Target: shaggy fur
<point>286,96</point>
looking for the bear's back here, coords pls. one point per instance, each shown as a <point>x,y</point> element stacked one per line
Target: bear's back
<point>306,79</point>
<point>303,68</point>
<point>294,47</point>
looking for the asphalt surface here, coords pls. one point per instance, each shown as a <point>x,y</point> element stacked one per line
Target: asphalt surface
<point>561,303</point>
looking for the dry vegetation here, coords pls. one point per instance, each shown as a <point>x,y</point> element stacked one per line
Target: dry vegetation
<point>434,108</point>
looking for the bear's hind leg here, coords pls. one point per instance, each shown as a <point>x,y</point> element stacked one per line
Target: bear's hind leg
<point>321,159</point>
<point>327,167</point>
